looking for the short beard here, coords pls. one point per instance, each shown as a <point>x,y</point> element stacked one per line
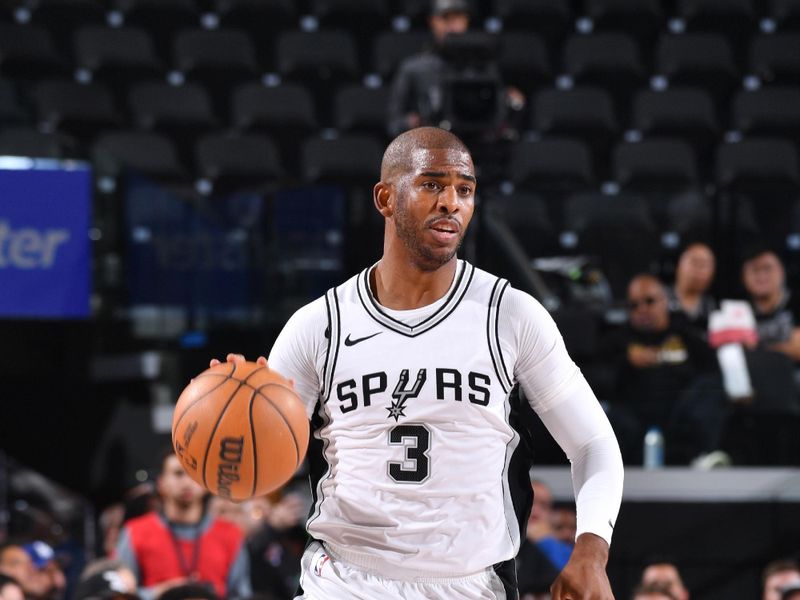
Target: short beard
<point>424,257</point>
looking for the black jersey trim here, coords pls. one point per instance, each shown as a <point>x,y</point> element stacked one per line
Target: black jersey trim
<point>503,288</point>
<point>522,419</point>
<point>506,571</point>
<point>374,310</point>
<point>493,337</point>
<point>329,332</point>
<point>319,469</point>
<point>335,331</point>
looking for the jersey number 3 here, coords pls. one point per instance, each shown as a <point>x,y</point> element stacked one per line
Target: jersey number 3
<point>417,441</point>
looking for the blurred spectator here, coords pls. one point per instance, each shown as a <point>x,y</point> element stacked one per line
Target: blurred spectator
<point>540,526</point>
<point>190,591</point>
<point>656,359</point>
<point>15,562</point>
<point>10,589</point>
<point>664,573</point>
<point>107,579</point>
<point>689,296</point>
<point>653,591</point>
<point>111,520</point>
<point>565,524</point>
<point>777,575</point>
<point>277,545</point>
<point>791,592</point>
<point>182,543</point>
<point>541,556</point>
<point>418,91</point>
<point>43,559</point>
<point>776,309</point>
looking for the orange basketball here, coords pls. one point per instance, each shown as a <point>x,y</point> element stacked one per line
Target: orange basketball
<point>240,430</point>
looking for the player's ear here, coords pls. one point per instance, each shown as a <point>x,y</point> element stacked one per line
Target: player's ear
<point>383,196</point>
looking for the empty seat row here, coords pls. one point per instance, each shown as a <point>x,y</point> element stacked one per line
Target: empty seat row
<point>552,16</point>
<point>610,59</point>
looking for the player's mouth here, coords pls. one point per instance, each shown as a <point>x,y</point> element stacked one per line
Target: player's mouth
<point>445,230</point>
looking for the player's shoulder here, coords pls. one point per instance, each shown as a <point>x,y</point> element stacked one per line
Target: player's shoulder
<point>511,301</point>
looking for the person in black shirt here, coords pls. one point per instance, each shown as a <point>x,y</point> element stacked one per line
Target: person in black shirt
<point>776,309</point>
<point>657,358</point>
<point>689,296</point>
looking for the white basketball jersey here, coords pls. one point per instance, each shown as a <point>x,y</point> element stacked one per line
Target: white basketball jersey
<point>413,432</point>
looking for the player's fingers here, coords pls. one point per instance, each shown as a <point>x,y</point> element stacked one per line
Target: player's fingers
<point>235,358</point>
<point>261,361</point>
<point>214,362</point>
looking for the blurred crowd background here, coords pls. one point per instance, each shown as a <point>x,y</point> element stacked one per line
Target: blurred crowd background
<point>178,176</point>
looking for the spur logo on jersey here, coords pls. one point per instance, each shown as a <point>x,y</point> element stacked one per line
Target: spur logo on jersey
<point>446,384</point>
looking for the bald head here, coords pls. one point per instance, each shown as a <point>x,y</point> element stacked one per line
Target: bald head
<point>399,155</point>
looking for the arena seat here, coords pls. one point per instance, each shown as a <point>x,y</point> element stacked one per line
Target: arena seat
<point>236,162</point>
<point>551,165</point>
<point>679,112</point>
<point>12,110</point>
<point>75,109</point>
<point>390,48</point>
<point>775,58</point>
<point>286,113</point>
<point>24,141</point>
<point>218,58</point>
<point>149,153</point>
<point>346,160</point>
<point>524,60</point>
<point>702,60</point>
<point>28,52</point>
<point>655,165</point>
<point>361,109</point>
<point>549,18</point>
<point>586,113</point>
<point>639,18</point>
<point>118,56</point>
<point>768,112</point>
<point>184,112</point>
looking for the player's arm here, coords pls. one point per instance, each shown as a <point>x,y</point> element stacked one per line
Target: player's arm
<point>565,403</point>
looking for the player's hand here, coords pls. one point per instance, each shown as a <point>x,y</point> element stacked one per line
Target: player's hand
<point>584,577</point>
<point>237,358</point>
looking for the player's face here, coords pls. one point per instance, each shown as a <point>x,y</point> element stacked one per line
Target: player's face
<point>763,275</point>
<point>175,485</point>
<point>434,202</point>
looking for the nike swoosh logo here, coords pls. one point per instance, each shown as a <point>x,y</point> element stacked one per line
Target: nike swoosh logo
<point>349,342</point>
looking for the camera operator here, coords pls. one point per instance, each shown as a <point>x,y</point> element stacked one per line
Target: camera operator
<point>423,86</point>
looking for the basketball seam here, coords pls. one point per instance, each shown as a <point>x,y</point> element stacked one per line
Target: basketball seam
<point>253,437</point>
<point>196,400</point>
<point>285,420</point>
<point>242,382</point>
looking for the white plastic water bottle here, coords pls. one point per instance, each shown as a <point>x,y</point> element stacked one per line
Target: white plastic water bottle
<point>653,449</point>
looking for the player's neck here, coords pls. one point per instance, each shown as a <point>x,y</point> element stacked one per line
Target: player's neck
<point>184,514</point>
<point>400,285</point>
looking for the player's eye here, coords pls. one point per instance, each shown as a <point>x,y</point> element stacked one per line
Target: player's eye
<point>465,190</point>
<point>431,186</point>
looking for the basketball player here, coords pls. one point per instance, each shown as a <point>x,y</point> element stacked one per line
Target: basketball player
<point>419,375</point>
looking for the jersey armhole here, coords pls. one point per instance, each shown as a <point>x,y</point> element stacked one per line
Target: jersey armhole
<point>493,335</point>
<point>333,330</point>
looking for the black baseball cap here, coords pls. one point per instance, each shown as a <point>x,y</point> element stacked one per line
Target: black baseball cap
<point>441,7</point>
<point>106,585</point>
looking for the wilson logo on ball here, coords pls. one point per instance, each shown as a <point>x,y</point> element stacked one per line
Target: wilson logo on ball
<point>230,455</point>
